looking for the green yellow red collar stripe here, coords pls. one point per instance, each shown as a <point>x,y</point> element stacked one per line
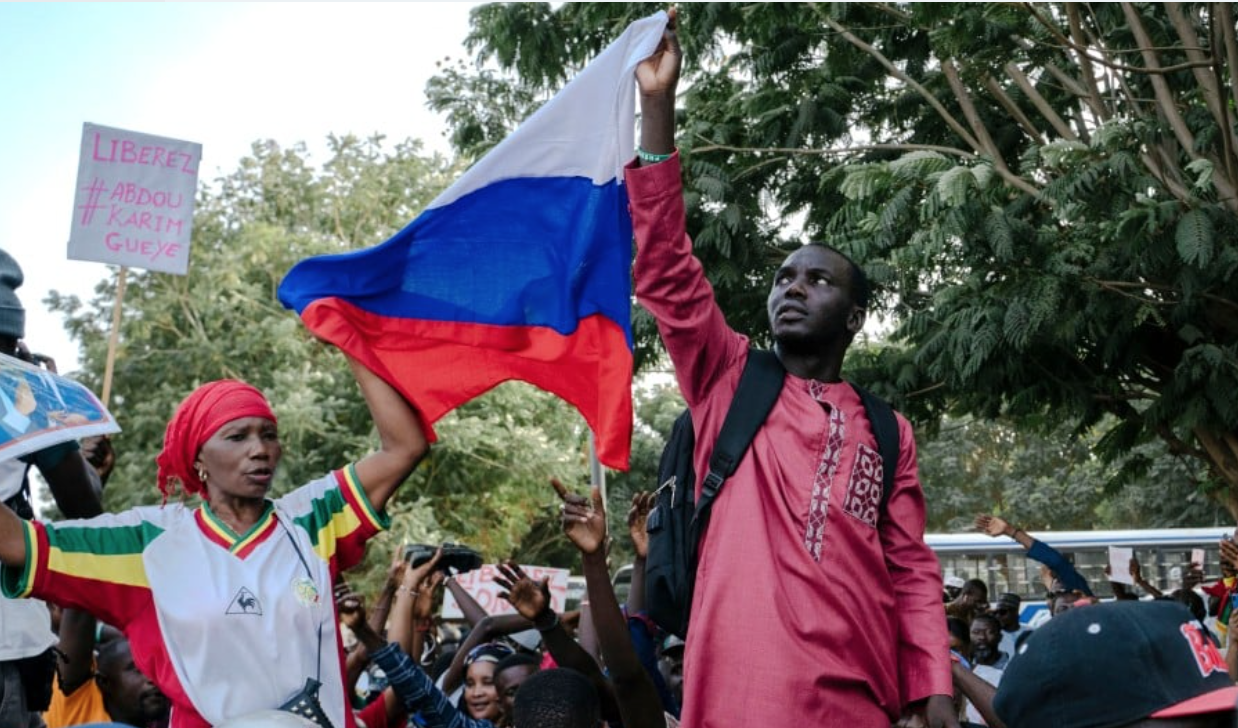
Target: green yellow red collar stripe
<point>240,546</point>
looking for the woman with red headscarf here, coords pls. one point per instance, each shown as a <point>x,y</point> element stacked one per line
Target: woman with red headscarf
<point>227,602</point>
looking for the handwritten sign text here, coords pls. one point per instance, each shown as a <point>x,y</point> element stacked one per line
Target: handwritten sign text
<point>134,201</point>
<point>480,584</point>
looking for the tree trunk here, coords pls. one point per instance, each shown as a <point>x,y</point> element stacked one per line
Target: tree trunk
<point>1222,449</point>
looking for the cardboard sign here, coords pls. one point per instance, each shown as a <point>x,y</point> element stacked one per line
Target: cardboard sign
<point>39,409</point>
<point>480,585</point>
<point>134,201</point>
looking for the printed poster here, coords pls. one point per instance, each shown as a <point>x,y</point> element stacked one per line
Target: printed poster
<point>39,409</point>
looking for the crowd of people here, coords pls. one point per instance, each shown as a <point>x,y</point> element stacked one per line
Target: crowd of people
<point>1142,657</point>
<point>815,599</point>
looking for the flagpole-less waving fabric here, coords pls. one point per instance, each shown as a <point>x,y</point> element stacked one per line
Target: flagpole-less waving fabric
<point>519,270</point>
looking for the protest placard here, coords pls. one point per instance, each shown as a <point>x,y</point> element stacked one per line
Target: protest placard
<point>134,201</point>
<point>479,583</point>
<point>1120,565</point>
<point>39,409</point>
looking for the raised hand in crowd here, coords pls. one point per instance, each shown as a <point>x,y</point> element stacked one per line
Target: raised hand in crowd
<point>1138,577</point>
<point>382,605</point>
<point>1194,575</point>
<point>657,78</point>
<point>413,609</point>
<point>996,526</point>
<point>584,522</point>
<point>638,516</point>
<point>1066,577</point>
<point>641,629</point>
<point>1229,553</point>
<point>532,601</point>
<point>530,598</point>
<point>1120,592</point>
<point>486,628</point>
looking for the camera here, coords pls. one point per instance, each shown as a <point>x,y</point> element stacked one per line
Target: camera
<point>455,557</point>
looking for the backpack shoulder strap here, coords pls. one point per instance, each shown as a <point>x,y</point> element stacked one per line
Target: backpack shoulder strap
<point>758,389</point>
<point>885,431</point>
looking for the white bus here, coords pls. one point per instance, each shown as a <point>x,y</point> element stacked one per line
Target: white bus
<point>1001,563</point>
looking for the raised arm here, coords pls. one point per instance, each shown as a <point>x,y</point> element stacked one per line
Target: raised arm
<point>584,522</point>
<point>638,515</point>
<point>532,601</point>
<point>484,631</point>
<point>657,77</point>
<point>1065,571</point>
<point>472,611</point>
<point>410,606</point>
<point>382,605</point>
<point>1138,578</point>
<point>996,526</point>
<point>402,443</point>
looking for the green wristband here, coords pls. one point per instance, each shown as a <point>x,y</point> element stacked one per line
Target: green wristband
<point>652,158</point>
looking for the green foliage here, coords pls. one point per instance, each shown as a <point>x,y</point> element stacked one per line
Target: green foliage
<point>1052,481</point>
<point>1039,231</point>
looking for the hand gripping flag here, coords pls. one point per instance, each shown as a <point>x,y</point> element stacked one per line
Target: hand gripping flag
<point>519,270</point>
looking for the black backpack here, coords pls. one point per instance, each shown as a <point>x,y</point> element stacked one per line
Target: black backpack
<point>676,522</point>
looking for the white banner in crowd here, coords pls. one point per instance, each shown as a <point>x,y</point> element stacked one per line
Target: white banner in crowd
<point>134,201</point>
<point>479,583</point>
<point>39,409</point>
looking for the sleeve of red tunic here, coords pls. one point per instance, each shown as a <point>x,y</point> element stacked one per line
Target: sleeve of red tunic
<point>671,284</point>
<point>923,644</point>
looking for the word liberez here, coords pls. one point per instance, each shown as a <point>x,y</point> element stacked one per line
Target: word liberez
<point>152,155</point>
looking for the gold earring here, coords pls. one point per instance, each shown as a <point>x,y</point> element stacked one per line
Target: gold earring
<point>202,475</point>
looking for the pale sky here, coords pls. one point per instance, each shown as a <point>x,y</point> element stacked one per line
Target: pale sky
<point>220,74</point>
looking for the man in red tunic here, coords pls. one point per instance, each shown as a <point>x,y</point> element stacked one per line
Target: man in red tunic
<point>814,604</point>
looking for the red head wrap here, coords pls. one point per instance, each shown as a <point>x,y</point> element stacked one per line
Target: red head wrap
<point>204,411</point>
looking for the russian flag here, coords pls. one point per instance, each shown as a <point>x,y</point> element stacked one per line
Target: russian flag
<point>519,270</point>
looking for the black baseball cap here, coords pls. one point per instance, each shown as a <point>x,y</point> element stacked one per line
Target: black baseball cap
<point>1111,664</point>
